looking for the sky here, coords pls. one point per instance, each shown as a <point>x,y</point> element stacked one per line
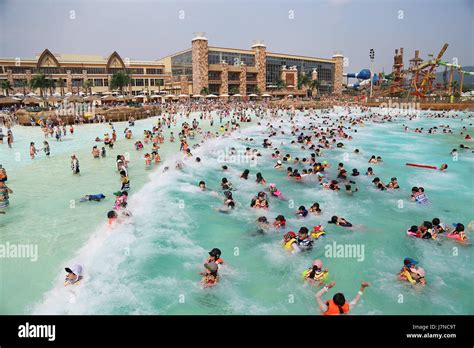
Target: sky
<point>152,29</point>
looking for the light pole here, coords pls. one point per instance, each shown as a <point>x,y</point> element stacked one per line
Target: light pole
<point>371,56</point>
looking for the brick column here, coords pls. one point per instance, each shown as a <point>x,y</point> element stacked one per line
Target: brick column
<point>338,71</point>
<point>314,77</point>
<point>261,65</point>
<point>200,52</point>
<point>184,86</point>
<point>224,89</point>
<point>10,76</point>
<point>243,79</point>
<point>28,79</point>
<point>68,81</point>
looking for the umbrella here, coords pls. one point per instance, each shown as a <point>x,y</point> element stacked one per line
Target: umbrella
<point>197,96</point>
<point>224,95</point>
<point>211,96</point>
<point>237,95</point>
<point>183,95</point>
<point>109,98</point>
<point>9,100</point>
<point>169,96</point>
<point>253,95</point>
<point>19,95</point>
<point>56,94</point>
<point>31,100</point>
<point>31,94</point>
<point>266,95</point>
<point>74,99</point>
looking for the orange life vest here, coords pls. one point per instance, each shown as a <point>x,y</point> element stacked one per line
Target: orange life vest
<point>333,309</point>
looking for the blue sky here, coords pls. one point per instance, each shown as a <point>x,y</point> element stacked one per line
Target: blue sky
<point>151,29</point>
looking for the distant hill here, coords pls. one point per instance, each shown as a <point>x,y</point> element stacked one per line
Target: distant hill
<point>468,79</point>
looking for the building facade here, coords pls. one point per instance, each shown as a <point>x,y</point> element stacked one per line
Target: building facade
<point>197,70</point>
<point>69,72</point>
<point>230,71</point>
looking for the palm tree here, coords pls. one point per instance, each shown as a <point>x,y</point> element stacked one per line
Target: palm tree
<point>303,81</point>
<point>6,86</point>
<point>315,84</point>
<point>159,83</point>
<point>22,84</point>
<point>205,91</point>
<point>61,86</point>
<point>88,86</point>
<point>280,84</point>
<point>233,90</point>
<point>51,84</point>
<point>120,79</point>
<point>39,81</point>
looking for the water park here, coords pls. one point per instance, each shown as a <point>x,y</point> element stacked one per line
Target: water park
<point>219,181</point>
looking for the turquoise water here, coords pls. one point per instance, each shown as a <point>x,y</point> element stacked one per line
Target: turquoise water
<point>149,265</point>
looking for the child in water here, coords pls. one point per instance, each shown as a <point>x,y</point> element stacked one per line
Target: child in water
<point>210,277</point>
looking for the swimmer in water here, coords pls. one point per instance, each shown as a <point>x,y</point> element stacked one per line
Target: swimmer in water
<point>73,276</point>
<point>339,221</point>
<point>315,275</point>
<point>302,212</point>
<point>304,240</point>
<point>202,185</point>
<point>210,277</point>
<point>443,167</point>
<point>245,174</point>
<point>393,184</point>
<point>315,209</point>
<point>338,304</point>
<point>226,185</point>
<point>279,222</point>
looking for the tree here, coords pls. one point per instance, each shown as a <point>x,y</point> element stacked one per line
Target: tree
<point>61,85</point>
<point>315,84</point>
<point>303,81</point>
<point>120,80</point>
<point>39,81</point>
<point>257,91</point>
<point>22,84</point>
<point>51,85</point>
<point>6,86</point>
<point>205,91</point>
<point>159,83</point>
<point>234,90</point>
<point>88,86</point>
<point>280,84</point>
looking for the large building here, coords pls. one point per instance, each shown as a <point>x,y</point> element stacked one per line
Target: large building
<point>69,72</point>
<point>229,70</point>
<point>200,68</point>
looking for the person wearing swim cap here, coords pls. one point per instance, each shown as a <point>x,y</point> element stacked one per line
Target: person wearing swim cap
<point>73,276</point>
<point>315,274</point>
<point>338,304</point>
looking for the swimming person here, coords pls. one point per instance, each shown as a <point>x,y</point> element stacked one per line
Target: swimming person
<point>338,304</point>
<point>4,196</point>
<point>46,148</point>
<point>97,197</point>
<point>315,274</point>
<point>74,275</point>
<point>339,221</point>
<point>210,277</point>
